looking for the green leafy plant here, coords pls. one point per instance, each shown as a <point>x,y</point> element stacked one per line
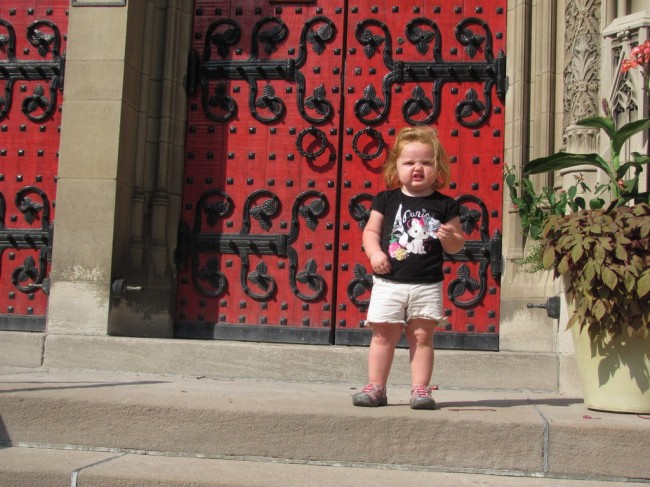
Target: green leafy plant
<point>534,208</point>
<point>603,254</point>
<point>604,257</point>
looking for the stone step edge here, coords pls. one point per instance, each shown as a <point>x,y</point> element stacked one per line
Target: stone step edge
<point>269,361</point>
<point>478,429</point>
<point>113,454</point>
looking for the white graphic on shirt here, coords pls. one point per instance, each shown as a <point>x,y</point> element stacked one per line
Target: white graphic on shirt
<point>412,233</point>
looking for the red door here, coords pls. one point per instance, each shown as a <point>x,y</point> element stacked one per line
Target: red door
<point>293,107</point>
<point>32,50</point>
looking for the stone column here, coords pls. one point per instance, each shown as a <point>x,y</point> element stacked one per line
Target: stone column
<point>94,119</point>
<point>581,73</point>
<point>529,133</point>
<point>153,183</point>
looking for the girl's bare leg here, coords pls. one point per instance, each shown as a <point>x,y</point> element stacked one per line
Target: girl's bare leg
<point>382,350</point>
<point>419,335</point>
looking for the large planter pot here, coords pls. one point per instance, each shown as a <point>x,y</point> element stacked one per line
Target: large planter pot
<point>614,371</point>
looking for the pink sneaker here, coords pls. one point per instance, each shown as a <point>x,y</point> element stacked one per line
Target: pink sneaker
<point>373,395</point>
<point>421,398</point>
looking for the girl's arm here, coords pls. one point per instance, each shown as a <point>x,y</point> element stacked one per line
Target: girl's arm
<point>372,243</point>
<point>451,236</point>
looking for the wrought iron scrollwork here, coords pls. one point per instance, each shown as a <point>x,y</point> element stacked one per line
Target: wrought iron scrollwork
<point>214,210</point>
<point>371,103</point>
<point>270,38</point>
<point>223,39</point>
<point>268,33</point>
<point>31,208</point>
<point>310,205</point>
<point>267,101</point>
<point>464,282</point>
<point>308,276</point>
<point>31,271</point>
<point>360,285</point>
<point>422,32</point>
<point>320,37</point>
<point>372,42</point>
<point>486,251</point>
<point>31,275</point>
<point>473,41</point>
<point>419,102</point>
<point>359,212</point>
<point>262,206</point>
<point>319,103</point>
<point>261,278</point>
<point>362,281</point>
<point>421,38</point>
<point>45,36</point>
<point>210,274</point>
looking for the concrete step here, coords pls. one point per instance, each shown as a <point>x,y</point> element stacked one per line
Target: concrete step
<point>269,361</point>
<point>506,433</point>
<point>40,467</point>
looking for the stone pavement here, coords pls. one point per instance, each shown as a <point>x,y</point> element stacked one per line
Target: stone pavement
<point>98,428</point>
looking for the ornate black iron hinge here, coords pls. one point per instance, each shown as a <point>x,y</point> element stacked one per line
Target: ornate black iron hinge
<point>223,34</point>
<point>424,33</point>
<point>486,251</point>
<point>45,36</point>
<point>213,206</point>
<point>31,274</point>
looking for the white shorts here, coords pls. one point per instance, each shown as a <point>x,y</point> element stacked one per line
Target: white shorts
<point>397,302</point>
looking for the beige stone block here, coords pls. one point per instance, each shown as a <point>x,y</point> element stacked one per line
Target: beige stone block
<point>21,349</point>
<point>90,133</point>
<point>525,330</point>
<point>78,308</point>
<point>97,33</point>
<point>598,444</point>
<point>83,236</point>
<point>93,80</point>
<point>569,378</point>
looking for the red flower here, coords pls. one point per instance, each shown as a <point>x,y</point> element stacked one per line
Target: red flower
<point>639,57</point>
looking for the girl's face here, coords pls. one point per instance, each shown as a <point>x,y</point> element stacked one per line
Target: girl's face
<point>416,169</point>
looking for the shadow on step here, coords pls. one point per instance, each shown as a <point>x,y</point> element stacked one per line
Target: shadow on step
<point>507,403</point>
<point>56,386</point>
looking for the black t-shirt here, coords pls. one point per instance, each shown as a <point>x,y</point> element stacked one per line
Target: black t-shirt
<point>408,234</point>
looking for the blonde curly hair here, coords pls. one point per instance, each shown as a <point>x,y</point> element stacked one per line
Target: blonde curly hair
<point>425,135</point>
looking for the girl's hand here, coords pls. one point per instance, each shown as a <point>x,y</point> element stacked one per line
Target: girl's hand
<point>445,233</point>
<point>450,236</point>
<point>380,263</point>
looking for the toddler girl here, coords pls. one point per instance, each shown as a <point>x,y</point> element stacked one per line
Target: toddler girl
<point>409,228</point>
